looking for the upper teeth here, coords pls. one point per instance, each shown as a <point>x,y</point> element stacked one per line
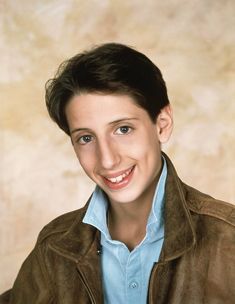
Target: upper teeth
<point>119,178</point>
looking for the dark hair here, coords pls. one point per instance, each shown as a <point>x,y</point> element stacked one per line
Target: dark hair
<point>111,68</point>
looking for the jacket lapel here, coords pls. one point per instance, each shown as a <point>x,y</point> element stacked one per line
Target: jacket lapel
<point>81,244</point>
<point>179,232</point>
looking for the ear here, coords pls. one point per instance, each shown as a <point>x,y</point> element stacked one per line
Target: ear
<point>164,124</point>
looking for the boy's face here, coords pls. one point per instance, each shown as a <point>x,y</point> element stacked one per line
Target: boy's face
<point>117,144</point>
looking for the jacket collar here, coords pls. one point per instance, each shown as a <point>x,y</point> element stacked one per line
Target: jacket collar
<point>179,232</point>
<point>77,242</point>
<point>82,241</point>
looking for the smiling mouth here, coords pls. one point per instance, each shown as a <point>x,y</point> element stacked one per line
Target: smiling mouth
<point>121,180</point>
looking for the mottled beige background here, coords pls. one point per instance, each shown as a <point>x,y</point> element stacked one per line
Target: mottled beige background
<point>193,42</point>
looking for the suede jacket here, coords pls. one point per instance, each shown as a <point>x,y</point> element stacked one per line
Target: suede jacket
<point>196,265</point>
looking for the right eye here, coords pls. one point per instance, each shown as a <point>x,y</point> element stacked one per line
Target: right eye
<point>85,139</point>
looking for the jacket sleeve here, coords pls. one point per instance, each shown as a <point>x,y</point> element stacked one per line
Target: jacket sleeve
<point>32,284</point>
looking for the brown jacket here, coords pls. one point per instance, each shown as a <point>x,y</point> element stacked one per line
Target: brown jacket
<point>197,262</point>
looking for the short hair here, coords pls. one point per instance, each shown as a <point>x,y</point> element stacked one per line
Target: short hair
<point>110,68</point>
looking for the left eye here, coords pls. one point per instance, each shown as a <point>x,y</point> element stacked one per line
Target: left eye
<point>123,130</point>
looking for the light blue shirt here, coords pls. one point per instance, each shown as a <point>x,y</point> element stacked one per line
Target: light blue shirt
<point>126,274</point>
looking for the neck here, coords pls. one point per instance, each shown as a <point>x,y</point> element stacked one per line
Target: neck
<point>129,229</point>
<point>129,212</point>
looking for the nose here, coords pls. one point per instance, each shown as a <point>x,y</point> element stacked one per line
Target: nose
<point>108,154</point>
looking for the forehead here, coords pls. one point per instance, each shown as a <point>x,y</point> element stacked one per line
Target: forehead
<point>99,108</point>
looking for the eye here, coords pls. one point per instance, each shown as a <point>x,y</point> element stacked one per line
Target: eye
<point>123,130</point>
<point>85,139</point>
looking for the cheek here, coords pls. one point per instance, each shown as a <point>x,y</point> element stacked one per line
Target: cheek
<point>87,161</point>
<point>144,148</point>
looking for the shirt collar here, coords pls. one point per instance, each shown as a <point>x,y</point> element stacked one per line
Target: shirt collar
<point>96,214</point>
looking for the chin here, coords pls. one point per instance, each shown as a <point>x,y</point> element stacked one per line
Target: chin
<point>122,196</point>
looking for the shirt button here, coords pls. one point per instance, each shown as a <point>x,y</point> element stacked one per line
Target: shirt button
<point>133,285</point>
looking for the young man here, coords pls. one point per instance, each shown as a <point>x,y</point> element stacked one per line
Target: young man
<point>144,236</point>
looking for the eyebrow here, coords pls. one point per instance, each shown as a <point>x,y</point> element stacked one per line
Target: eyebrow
<point>122,119</point>
<point>110,123</point>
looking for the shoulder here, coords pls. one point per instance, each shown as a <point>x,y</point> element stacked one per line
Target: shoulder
<point>205,205</point>
<point>61,224</point>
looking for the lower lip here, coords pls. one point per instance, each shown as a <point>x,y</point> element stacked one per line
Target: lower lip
<point>122,184</point>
